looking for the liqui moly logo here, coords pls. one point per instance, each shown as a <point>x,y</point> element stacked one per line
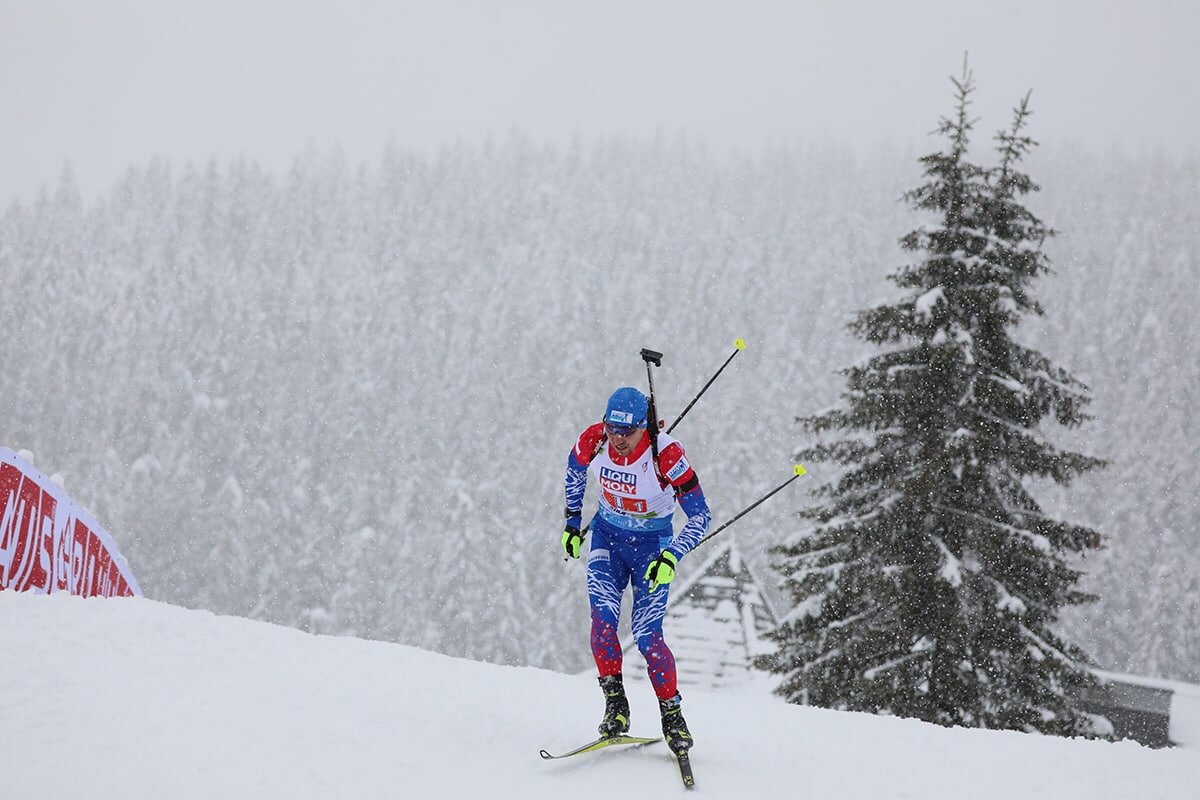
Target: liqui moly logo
<point>616,481</point>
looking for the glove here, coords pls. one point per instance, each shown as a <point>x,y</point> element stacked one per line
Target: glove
<point>661,570</point>
<point>572,541</point>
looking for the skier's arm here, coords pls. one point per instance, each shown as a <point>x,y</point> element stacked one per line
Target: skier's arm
<point>575,482</point>
<point>696,507</point>
<point>574,489</point>
<point>679,472</point>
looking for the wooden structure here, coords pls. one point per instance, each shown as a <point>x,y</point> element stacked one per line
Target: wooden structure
<point>1139,709</point>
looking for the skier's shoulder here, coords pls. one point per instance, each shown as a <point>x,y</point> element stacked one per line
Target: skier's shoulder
<point>589,442</point>
<point>666,442</point>
<point>672,461</point>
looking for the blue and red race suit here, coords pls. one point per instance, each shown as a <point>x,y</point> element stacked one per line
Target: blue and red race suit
<point>632,525</point>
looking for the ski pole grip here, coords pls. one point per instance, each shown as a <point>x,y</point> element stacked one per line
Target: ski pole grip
<point>652,357</point>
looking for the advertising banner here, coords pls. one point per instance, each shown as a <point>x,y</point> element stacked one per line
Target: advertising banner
<point>50,544</point>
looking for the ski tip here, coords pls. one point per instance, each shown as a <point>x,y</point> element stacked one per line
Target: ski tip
<point>799,470</point>
<point>603,741</point>
<point>685,770</point>
<point>740,344</point>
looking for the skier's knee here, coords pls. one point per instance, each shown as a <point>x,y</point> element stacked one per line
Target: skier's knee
<point>651,645</point>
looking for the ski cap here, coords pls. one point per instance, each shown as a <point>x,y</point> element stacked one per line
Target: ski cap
<point>627,408</point>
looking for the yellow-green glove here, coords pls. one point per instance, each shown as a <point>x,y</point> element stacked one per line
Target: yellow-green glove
<point>661,570</point>
<point>572,541</point>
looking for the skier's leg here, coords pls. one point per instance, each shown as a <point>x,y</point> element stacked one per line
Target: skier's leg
<point>649,608</point>
<point>607,578</point>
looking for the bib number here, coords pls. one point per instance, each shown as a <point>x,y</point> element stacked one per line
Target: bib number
<point>630,505</point>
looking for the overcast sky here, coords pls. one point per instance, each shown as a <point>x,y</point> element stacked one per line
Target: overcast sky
<point>102,84</point>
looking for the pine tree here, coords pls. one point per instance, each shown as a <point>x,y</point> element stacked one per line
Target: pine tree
<point>930,581</point>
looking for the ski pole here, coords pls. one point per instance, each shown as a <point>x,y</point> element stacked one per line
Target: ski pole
<point>739,345</point>
<point>798,470</point>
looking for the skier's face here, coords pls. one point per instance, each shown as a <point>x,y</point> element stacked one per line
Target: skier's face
<point>624,444</point>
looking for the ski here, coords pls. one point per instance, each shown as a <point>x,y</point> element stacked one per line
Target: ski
<point>685,769</point>
<point>602,742</point>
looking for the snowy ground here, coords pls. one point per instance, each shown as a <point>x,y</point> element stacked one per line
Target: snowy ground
<point>130,698</point>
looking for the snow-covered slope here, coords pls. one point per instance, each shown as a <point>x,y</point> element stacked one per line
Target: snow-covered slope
<point>129,698</point>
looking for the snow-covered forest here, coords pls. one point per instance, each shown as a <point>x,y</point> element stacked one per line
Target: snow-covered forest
<point>342,398</point>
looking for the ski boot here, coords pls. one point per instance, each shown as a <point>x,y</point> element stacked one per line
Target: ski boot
<point>675,729</point>
<point>616,706</point>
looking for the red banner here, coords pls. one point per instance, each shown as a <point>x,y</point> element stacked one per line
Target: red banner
<point>50,544</point>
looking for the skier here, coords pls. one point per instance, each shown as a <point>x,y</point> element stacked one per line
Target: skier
<point>633,541</point>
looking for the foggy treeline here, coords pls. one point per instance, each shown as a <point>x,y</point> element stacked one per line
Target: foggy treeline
<point>342,398</point>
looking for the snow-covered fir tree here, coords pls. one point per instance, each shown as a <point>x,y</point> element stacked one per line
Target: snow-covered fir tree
<point>930,582</point>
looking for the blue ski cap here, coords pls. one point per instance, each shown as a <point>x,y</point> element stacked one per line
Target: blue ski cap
<point>627,408</point>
